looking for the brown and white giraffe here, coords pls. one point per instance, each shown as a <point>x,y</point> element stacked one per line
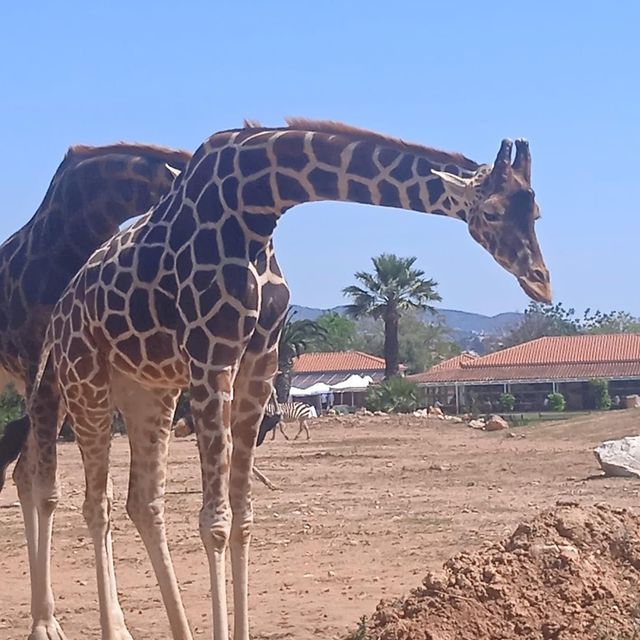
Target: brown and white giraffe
<point>192,295</point>
<point>93,191</point>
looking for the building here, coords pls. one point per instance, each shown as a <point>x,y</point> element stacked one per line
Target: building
<point>344,374</point>
<point>532,370</point>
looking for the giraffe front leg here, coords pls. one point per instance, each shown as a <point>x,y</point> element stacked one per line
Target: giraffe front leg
<point>252,390</point>
<point>211,411</point>
<point>148,414</point>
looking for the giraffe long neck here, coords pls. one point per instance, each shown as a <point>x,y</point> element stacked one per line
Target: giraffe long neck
<point>255,175</point>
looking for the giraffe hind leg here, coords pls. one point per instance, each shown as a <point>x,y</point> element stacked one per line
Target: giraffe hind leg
<point>91,420</point>
<point>36,479</point>
<point>148,414</point>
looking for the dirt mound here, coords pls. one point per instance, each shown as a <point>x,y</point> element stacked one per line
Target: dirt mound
<point>572,572</point>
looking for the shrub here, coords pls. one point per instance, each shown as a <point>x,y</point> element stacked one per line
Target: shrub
<point>599,394</point>
<point>556,402</point>
<point>395,395</point>
<point>11,406</point>
<point>507,401</point>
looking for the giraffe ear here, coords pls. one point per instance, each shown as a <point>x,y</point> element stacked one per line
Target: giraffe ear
<point>172,170</point>
<point>456,185</point>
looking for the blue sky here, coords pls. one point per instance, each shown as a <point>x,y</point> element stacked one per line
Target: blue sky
<point>460,76</point>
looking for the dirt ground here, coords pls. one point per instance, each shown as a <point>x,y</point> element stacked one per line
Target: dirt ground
<point>363,512</point>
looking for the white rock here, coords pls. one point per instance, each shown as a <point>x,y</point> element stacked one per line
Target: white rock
<point>632,402</point>
<point>477,424</point>
<point>620,457</point>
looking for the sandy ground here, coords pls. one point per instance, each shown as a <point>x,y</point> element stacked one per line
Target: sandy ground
<point>363,511</point>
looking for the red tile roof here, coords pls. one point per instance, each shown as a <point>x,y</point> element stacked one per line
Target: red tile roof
<point>455,362</point>
<point>551,358</point>
<point>355,361</point>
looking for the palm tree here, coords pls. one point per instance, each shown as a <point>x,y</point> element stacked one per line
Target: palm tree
<point>296,338</point>
<point>395,286</point>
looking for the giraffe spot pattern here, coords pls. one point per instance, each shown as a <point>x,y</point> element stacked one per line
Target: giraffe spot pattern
<point>226,162</point>
<point>435,188</point>
<point>233,239</point>
<point>403,171</point>
<point>139,311</point>
<point>324,182</point>
<point>225,323</point>
<point>289,151</point>
<point>358,192</point>
<point>361,163</point>
<point>209,204</point>
<point>230,192</point>
<point>389,194</point>
<point>251,161</point>
<point>289,188</point>
<point>202,174</point>
<point>257,193</point>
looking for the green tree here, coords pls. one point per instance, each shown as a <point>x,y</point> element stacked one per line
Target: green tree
<point>296,338</point>
<point>421,344</point>
<point>393,395</point>
<point>541,320</point>
<point>612,322</point>
<point>556,402</point>
<point>599,397</point>
<point>339,333</point>
<point>11,406</point>
<point>393,287</point>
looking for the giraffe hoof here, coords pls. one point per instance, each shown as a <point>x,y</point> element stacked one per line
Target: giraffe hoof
<point>49,630</point>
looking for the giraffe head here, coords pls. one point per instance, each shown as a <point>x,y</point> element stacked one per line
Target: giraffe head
<point>502,213</point>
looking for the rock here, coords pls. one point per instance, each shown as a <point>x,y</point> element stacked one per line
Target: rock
<point>456,419</point>
<point>496,423</point>
<point>182,429</point>
<point>620,457</point>
<point>477,424</point>
<point>420,413</point>
<point>632,402</point>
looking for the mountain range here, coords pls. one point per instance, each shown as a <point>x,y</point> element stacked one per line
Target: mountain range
<point>469,330</point>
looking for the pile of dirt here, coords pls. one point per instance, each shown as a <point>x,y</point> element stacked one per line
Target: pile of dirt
<point>572,572</point>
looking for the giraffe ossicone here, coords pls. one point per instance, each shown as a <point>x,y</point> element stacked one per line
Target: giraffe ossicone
<point>191,295</point>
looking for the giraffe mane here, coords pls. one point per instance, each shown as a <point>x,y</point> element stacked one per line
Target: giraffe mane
<point>339,128</point>
<point>80,152</point>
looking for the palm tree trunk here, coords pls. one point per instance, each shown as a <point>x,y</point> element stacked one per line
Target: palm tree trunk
<point>391,347</point>
<point>283,385</point>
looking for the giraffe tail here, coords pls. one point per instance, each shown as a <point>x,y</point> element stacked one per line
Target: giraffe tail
<point>11,444</point>
<point>45,356</point>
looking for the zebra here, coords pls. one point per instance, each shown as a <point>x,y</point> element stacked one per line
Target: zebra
<point>276,414</point>
<point>293,412</point>
<point>185,427</point>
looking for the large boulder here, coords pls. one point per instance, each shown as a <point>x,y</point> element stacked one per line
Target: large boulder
<point>632,402</point>
<point>620,457</point>
<point>496,423</point>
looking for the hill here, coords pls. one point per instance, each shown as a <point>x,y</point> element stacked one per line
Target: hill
<point>468,329</point>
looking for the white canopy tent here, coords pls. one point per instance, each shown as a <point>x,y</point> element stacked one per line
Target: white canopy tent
<point>353,383</point>
<point>316,389</point>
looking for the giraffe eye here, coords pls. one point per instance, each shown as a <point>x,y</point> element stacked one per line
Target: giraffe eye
<point>491,217</point>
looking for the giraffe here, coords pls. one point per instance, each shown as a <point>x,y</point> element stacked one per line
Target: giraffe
<point>92,192</point>
<point>191,296</point>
